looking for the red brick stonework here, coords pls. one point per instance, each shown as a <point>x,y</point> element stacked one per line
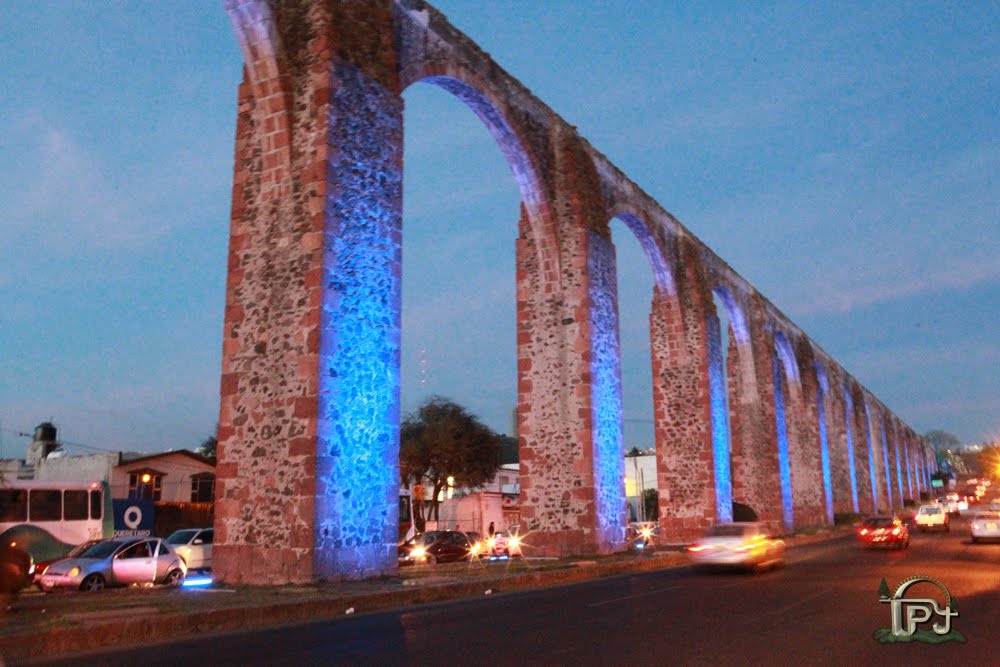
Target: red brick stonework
<point>309,413</point>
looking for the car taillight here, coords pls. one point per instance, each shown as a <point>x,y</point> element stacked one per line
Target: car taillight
<point>699,547</point>
<point>895,531</point>
<point>864,531</point>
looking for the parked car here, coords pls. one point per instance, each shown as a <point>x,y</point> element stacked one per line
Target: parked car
<point>436,546</point>
<point>932,516</point>
<point>884,531</point>
<point>194,545</point>
<point>985,526</point>
<point>117,562</point>
<point>17,569</point>
<point>737,545</point>
<point>477,543</point>
<point>43,565</point>
<point>504,545</point>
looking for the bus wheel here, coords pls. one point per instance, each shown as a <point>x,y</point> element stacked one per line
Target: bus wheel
<point>93,582</point>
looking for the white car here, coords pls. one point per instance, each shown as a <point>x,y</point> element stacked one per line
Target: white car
<point>986,526</point>
<point>194,545</point>
<point>737,545</point>
<point>504,545</point>
<point>932,516</point>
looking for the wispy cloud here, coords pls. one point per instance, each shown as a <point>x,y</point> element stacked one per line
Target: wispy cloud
<point>69,200</point>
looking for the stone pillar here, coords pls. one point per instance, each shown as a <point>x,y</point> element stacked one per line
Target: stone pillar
<point>806,458</point>
<point>569,378</point>
<point>840,460</point>
<point>308,427</point>
<point>681,400</point>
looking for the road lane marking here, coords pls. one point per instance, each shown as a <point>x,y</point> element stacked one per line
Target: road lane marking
<point>632,597</point>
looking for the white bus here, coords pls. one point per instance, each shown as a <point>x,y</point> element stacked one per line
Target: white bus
<point>48,518</point>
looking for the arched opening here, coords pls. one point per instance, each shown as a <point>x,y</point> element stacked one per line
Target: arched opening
<point>822,391</point>
<point>636,283</point>
<point>784,374</point>
<point>885,458</point>
<point>872,468</point>
<point>461,211</point>
<point>849,434</point>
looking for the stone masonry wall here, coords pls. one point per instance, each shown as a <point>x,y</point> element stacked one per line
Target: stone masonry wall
<point>309,410</point>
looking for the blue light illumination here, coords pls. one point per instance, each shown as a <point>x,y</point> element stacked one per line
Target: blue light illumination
<point>824,445</point>
<point>848,409</point>
<point>871,456</point>
<point>197,582</point>
<point>899,468</point>
<point>606,396</point>
<point>784,466</point>
<point>720,420</point>
<point>888,470</point>
<point>357,475</point>
<point>909,476</point>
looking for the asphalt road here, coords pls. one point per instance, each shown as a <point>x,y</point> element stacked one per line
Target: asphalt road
<point>821,609</point>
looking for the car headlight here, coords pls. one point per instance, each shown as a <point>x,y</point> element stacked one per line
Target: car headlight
<point>514,542</point>
<point>418,553</point>
<point>72,573</point>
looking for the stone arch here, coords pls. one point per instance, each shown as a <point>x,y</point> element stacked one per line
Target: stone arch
<point>822,393</point>
<point>787,385</point>
<point>467,86</point>
<point>663,274</point>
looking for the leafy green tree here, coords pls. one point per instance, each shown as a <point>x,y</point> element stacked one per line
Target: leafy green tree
<point>441,440</point>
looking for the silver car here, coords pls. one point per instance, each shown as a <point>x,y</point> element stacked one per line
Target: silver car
<point>985,526</point>
<point>117,562</point>
<point>739,545</point>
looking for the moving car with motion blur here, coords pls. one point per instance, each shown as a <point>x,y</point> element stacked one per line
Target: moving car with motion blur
<point>117,562</point>
<point>435,546</point>
<point>932,516</point>
<point>884,531</point>
<point>748,546</point>
<point>985,526</point>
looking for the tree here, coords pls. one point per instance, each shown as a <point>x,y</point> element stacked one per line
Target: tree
<point>208,445</point>
<point>945,447</point>
<point>442,440</point>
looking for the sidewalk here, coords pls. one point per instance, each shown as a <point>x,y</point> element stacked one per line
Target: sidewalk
<point>66,623</point>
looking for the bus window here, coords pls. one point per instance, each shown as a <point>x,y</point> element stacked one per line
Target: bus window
<point>95,505</point>
<point>13,505</point>
<point>46,505</point>
<point>74,505</point>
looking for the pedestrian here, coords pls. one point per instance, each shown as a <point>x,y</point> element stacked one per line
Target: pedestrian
<point>492,529</point>
<point>457,528</point>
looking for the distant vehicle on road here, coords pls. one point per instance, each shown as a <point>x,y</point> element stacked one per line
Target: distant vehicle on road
<point>884,531</point>
<point>932,516</point>
<point>194,545</point>
<point>117,562</point>
<point>737,545</point>
<point>985,526</point>
<point>436,546</point>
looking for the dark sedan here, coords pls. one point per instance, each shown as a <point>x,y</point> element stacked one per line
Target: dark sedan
<point>436,546</point>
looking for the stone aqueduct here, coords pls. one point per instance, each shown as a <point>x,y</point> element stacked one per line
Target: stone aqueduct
<point>309,418</point>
